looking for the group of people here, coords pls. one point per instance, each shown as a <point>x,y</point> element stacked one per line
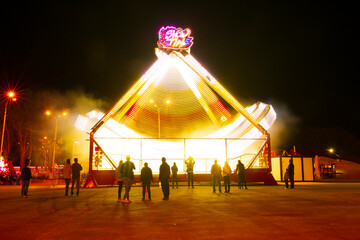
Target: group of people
<point>69,172</point>
<point>125,176</point>
<point>72,172</point>
<point>217,172</point>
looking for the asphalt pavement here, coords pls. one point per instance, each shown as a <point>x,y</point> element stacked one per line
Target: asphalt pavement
<point>310,211</point>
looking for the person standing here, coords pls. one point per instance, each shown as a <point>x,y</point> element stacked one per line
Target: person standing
<point>291,173</point>
<point>216,175</point>
<point>174,171</point>
<point>146,177</point>
<point>227,175</point>
<point>286,178</point>
<point>127,172</point>
<point>164,176</point>
<point>240,169</point>
<point>190,171</point>
<point>67,176</point>
<point>25,178</point>
<point>75,169</point>
<point>119,179</point>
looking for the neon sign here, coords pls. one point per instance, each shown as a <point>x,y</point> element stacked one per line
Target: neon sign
<point>175,38</point>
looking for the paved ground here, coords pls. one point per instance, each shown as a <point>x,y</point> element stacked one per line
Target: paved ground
<point>311,211</point>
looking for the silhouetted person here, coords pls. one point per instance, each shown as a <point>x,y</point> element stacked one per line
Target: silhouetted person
<point>227,175</point>
<point>127,172</point>
<point>146,177</point>
<point>291,173</point>
<point>216,175</point>
<point>67,176</point>
<point>240,169</point>
<point>190,171</point>
<point>164,175</point>
<point>174,171</point>
<point>286,178</point>
<point>75,169</point>
<point>25,178</point>
<point>119,179</point>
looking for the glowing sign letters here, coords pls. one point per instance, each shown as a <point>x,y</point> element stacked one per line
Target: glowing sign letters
<point>172,37</point>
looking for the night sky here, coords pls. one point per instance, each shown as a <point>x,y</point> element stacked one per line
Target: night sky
<point>294,54</point>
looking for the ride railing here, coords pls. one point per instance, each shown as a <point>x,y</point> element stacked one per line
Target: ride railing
<point>109,151</point>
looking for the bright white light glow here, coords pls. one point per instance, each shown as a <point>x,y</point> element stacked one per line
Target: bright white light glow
<point>131,126</point>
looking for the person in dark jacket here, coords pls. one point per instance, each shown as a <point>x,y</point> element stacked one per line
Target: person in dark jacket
<point>67,176</point>
<point>119,179</point>
<point>291,173</point>
<point>174,171</point>
<point>164,177</point>
<point>127,172</point>
<point>25,177</point>
<point>240,169</point>
<point>286,178</point>
<point>146,177</point>
<point>75,169</point>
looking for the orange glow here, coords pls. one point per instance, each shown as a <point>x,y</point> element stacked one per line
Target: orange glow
<point>49,113</point>
<point>11,94</point>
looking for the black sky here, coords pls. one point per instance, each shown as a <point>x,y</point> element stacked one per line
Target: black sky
<point>298,53</point>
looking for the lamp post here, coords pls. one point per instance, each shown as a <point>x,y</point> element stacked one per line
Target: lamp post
<point>10,97</point>
<point>63,114</point>
<point>158,110</point>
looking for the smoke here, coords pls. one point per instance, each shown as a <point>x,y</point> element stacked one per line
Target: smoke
<point>72,142</point>
<point>75,143</point>
<point>285,127</point>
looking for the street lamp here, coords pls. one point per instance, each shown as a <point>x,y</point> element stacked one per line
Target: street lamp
<point>332,152</point>
<point>63,114</point>
<point>158,110</point>
<point>10,96</point>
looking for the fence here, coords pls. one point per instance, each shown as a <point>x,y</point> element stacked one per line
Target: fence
<point>108,152</point>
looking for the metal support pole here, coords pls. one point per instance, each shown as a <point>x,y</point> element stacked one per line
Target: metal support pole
<point>141,157</point>
<point>3,129</point>
<point>184,153</point>
<point>226,157</point>
<point>269,151</point>
<point>54,145</point>
<point>159,121</point>
<point>91,154</point>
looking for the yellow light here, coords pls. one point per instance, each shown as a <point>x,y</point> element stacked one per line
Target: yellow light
<point>331,150</point>
<point>151,101</point>
<point>48,113</point>
<point>168,101</point>
<point>64,114</point>
<point>11,94</point>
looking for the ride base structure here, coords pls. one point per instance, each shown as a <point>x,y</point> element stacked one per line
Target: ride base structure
<point>177,109</point>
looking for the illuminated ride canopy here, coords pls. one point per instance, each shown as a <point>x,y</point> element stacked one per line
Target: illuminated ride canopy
<point>176,110</point>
